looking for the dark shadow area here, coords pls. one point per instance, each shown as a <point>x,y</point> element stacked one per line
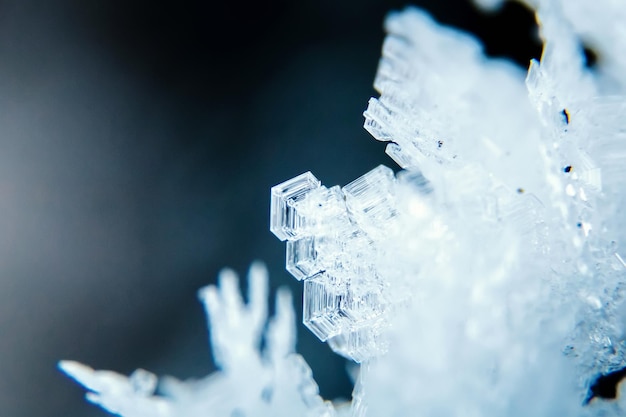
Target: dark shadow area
<point>591,57</point>
<point>605,386</point>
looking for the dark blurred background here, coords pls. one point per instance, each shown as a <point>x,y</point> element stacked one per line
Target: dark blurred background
<point>138,143</point>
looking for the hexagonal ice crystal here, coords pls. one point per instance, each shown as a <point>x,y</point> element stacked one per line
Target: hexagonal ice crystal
<point>322,313</point>
<point>325,212</point>
<point>302,257</point>
<point>329,233</point>
<point>285,222</point>
<point>370,199</point>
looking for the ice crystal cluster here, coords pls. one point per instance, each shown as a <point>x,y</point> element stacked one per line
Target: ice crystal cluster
<point>485,278</point>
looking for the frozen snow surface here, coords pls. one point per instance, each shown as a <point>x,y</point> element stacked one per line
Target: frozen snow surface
<point>485,278</point>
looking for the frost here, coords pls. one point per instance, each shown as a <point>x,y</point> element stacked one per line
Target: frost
<point>274,381</point>
<point>490,266</point>
<point>486,277</point>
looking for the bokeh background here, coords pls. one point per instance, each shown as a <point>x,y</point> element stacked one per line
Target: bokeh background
<point>138,143</point>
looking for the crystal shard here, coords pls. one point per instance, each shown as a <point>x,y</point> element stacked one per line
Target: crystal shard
<point>323,297</point>
<point>371,201</point>
<point>285,221</point>
<point>302,258</point>
<point>405,159</point>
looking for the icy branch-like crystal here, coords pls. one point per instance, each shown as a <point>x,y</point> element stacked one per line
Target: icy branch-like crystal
<point>302,257</point>
<point>251,382</point>
<point>118,394</point>
<point>233,323</point>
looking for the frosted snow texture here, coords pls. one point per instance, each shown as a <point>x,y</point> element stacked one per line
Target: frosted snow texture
<point>485,278</point>
<point>251,382</point>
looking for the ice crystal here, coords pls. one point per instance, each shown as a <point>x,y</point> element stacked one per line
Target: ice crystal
<point>486,277</point>
<point>274,381</point>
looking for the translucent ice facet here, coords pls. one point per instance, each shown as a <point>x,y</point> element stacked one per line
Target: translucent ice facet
<point>404,159</point>
<point>302,258</point>
<point>370,199</point>
<point>285,222</point>
<point>324,210</point>
<point>322,313</point>
<point>377,119</point>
